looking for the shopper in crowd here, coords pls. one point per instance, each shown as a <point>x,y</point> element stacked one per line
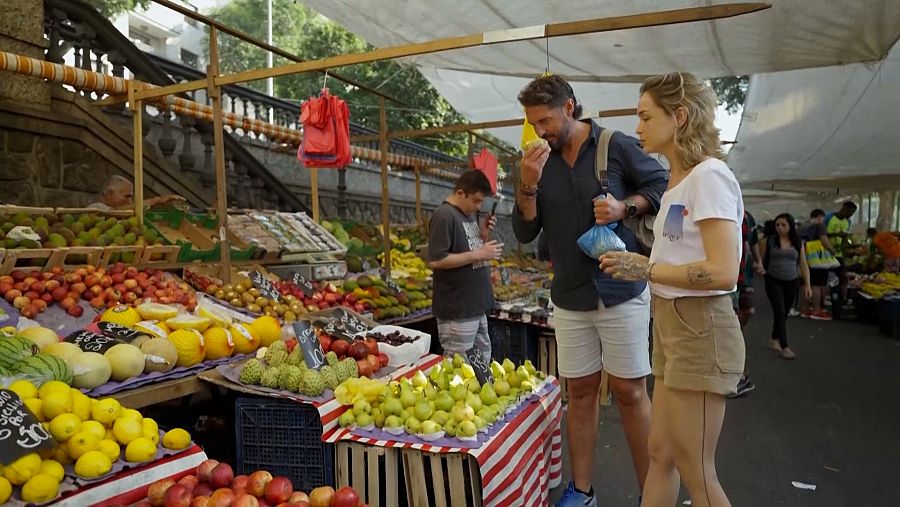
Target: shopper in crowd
<point>742,298</point>
<point>785,265</point>
<point>815,236</point>
<point>600,323</point>
<point>118,194</point>
<point>838,226</point>
<point>459,253</point>
<point>698,348</point>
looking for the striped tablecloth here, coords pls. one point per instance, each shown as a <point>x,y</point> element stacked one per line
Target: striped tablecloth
<point>519,464</point>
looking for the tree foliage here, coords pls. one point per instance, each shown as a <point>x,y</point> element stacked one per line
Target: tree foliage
<point>302,32</point>
<point>732,91</point>
<point>114,7</point>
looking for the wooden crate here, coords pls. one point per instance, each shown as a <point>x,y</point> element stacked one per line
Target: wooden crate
<point>374,472</point>
<point>109,251</point>
<point>11,209</point>
<point>26,259</point>
<point>547,363</point>
<point>441,480</point>
<point>74,256</point>
<point>159,255</point>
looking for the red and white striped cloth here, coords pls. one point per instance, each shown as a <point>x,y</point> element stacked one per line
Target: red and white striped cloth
<point>519,465</point>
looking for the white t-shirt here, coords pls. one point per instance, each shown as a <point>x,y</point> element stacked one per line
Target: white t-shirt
<point>710,190</point>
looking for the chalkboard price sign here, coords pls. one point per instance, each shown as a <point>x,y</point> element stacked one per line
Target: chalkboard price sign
<point>391,284</point>
<point>264,285</point>
<point>351,324</point>
<point>305,285</point>
<point>92,342</point>
<point>309,344</point>
<point>20,431</point>
<point>478,362</point>
<point>333,328</point>
<point>118,332</point>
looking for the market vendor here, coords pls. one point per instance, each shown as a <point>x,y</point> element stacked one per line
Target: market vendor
<point>838,228</point>
<point>118,193</point>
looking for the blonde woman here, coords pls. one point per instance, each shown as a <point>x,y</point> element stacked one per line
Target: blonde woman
<point>698,348</point>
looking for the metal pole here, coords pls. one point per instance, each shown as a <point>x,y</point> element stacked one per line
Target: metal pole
<point>418,198</point>
<point>270,83</point>
<point>214,93</point>
<point>138,140</point>
<point>385,196</point>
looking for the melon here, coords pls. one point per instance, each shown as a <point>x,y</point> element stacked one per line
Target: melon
<point>46,366</point>
<point>156,311</point>
<point>217,316</point>
<point>123,315</point>
<point>63,350</point>
<point>14,350</point>
<point>90,370</point>
<point>188,321</point>
<point>41,336</point>
<point>153,328</point>
<point>125,360</point>
<point>159,355</point>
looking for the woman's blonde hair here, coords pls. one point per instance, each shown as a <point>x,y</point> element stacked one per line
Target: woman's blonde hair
<point>698,137</point>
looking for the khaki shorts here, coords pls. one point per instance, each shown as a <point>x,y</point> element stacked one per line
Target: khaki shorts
<point>697,344</point>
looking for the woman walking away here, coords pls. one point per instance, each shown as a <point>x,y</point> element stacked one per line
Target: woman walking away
<point>698,348</point>
<point>785,264</point>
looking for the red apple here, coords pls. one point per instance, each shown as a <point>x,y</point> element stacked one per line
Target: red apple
<point>221,476</point>
<point>365,369</point>
<point>130,284</point>
<point>11,295</point>
<point>345,497</point>
<point>279,490</point>
<point>47,297</point>
<point>157,492</point>
<point>97,303</point>
<point>18,276</point>
<point>200,501</point>
<point>78,287</point>
<point>190,482</point>
<point>32,295</point>
<point>129,297</point>
<point>340,347</point>
<point>96,290</point>
<point>321,496</point>
<point>37,287</point>
<point>205,468</point>
<point>257,482</point>
<point>299,496</point>
<point>117,278</point>
<point>245,500</point>
<point>106,281</point>
<point>240,483</point>
<point>325,342</point>
<point>178,496</point>
<point>131,272</point>
<point>374,362</point>
<point>203,489</point>
<point>59,294</point>
<point>90,281</point>
<point>358,350</point>
<point>221,497</point>
<point>51,285</point>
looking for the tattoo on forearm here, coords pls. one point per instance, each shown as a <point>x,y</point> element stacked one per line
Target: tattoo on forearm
<point>632,267</point>
<point>698,276</point>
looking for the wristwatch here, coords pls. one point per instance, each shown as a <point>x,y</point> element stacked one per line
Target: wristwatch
<point>631,209</point>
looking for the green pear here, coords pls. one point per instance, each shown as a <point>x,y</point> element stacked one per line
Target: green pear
<point>447,364</point>
<point>405,414</point>
<point>443,401</point>
<point>462,412</point>
<point>501,386</point>
<point>430,427</point>
<point>430,391</point>
<point>467,371</point>
<point>488,395</point>
<point>474,401</point>
<point>508,365</point>
<point>479,422</point>
<point>423,410</point>
<point>450,428</point>
<point>392,421</point>
<point>413,426</point>
<point>472,385</point>
<point>364,419</point>
<point>466,429</point>
<point>458,392</point>
<point>523,373</point>
<point>407,397</point>
<point>392,406</point>
<point>434,373</point>
<point>458,361</point>
<point>346,419</point>
<point>419,379</point>
<point>440,416</point>
<point>526,386</point>
<point>530,367</point>
<point>361,407</point>
<point>378,416</point>
<point>513,379</point>
<point>497,370</point>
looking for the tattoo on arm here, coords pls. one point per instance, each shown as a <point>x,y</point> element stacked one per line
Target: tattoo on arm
<point>632,267</point>
<point>698,276</point>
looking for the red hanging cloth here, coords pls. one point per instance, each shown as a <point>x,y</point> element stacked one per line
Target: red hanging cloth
<point>326,132</point>
<point>486,162</point>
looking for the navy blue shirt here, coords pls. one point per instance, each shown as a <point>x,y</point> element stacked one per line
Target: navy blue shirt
<point>565,211</point>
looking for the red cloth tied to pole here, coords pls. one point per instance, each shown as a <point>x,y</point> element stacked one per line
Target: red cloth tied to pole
<point>326,132</point>
<point>486,162</point>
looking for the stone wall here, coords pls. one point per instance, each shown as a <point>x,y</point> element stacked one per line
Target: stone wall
<point>22,32</point>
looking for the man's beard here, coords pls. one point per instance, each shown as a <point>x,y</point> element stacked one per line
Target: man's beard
<point>560,139</point>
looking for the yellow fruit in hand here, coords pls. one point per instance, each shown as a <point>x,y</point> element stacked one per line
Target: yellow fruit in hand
<point>110,448</point>
<point>176,439</point>
<point>64,426</point>
<point>105,411</point>
<point>53,386</point>
<point>268,329</point>
<point>24,389</point>
<point>93,464</point>
<point>81,405</point>
<point>140,450</point>
<point>5,490</point>
<point>126,429</point>
<point>35,405</point>
<point>94,428</point>
<point>81,443</point>
<point>150,430</point>
<point>56,403</point>
<point>53,469</point>
<point>40,489</point>
<point>21,470</point>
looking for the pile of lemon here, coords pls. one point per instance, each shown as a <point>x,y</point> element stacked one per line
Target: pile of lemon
<point>90,433</point>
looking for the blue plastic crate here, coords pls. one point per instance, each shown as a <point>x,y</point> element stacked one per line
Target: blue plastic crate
<point>514,340</point>
<point>284,438</point>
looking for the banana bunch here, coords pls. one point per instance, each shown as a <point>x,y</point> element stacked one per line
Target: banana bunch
<point>406,264</point>
<point>882,284</point>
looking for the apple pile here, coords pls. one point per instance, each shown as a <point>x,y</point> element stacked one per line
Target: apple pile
<point>31,293</point>
<point>325,295</point>
<point>214,485</point>
<point>365,352</point>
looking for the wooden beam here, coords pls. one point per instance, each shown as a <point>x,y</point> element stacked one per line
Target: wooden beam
<point>137,119</point>
<point>488,38</point>
<point>385,196</point>
<point>314,186</point>
<point>418,197</point>
<point>215,93</point>
<point>212,23</point>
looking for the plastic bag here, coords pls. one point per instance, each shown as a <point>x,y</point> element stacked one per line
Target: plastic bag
<point>600,239</point>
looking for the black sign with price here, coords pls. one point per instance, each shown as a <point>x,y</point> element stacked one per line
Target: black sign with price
<point>264,285</point>
<point>351,324</point>
<point>305,285</point>
<point>309,344</point>
<point>118,332</point>
<point>20,431</point>
<point>391,284</point>
<point>478,362</point>
<point>92,342</point>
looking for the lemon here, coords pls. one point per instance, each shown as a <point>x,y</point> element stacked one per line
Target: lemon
<point>81,443</point>
<point>110,448</point>
<point>268,329</point>
<point>24,389</point>
<point>63,426</point>
<point>106,410</point>
<point>53,386</point>
<point>130,413</point>
<point>61,455</point>
<point>93,464</point>
<point>125,430</point>
<point>81,405</point>
<point>219,343</point>
<point>140,450</point>
<point>5,490</point>
<point>40,489</point>
<point>176,439</point>
<point>190,346</point>
<point>150,430</point>
<point>21,470</point>
<point>35,405</point>
<point>109,435</point>
<point>56,403</point>
<point>53,469</point>
<point>94,428</point>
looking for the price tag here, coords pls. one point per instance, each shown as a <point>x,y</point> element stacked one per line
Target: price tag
<point>119,332</point>
<point>305,285</point>
<point>391,284</point>
<point>92,342</point>
<point>264,285</point>
<point>351,324</point>
<point>480,365</point>
<point>332,328</point>
<point>504,275</point>
<point>20,431</point>
<point>312,350</point>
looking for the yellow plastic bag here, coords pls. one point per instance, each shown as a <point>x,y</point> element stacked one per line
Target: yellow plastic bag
<point>528,133</point>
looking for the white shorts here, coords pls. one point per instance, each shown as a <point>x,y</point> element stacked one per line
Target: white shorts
<point>615,339</point>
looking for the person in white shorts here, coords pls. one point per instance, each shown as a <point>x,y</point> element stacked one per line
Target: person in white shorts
<point>600,323</point>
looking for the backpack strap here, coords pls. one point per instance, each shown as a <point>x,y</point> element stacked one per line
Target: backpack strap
<point>600,165</point>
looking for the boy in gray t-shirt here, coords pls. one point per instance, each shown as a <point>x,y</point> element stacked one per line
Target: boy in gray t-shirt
<point>459,255</point>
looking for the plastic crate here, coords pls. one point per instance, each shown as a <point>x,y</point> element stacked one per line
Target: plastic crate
<point>514,340</point>
<point>284,438</point>
<point>209,224</point>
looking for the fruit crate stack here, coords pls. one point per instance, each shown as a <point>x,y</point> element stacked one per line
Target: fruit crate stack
<point>253,233</point>
<point>319,239</point>
<point>208,225</point>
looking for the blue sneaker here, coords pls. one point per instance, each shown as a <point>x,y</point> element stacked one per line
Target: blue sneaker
<point>572,498</point>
